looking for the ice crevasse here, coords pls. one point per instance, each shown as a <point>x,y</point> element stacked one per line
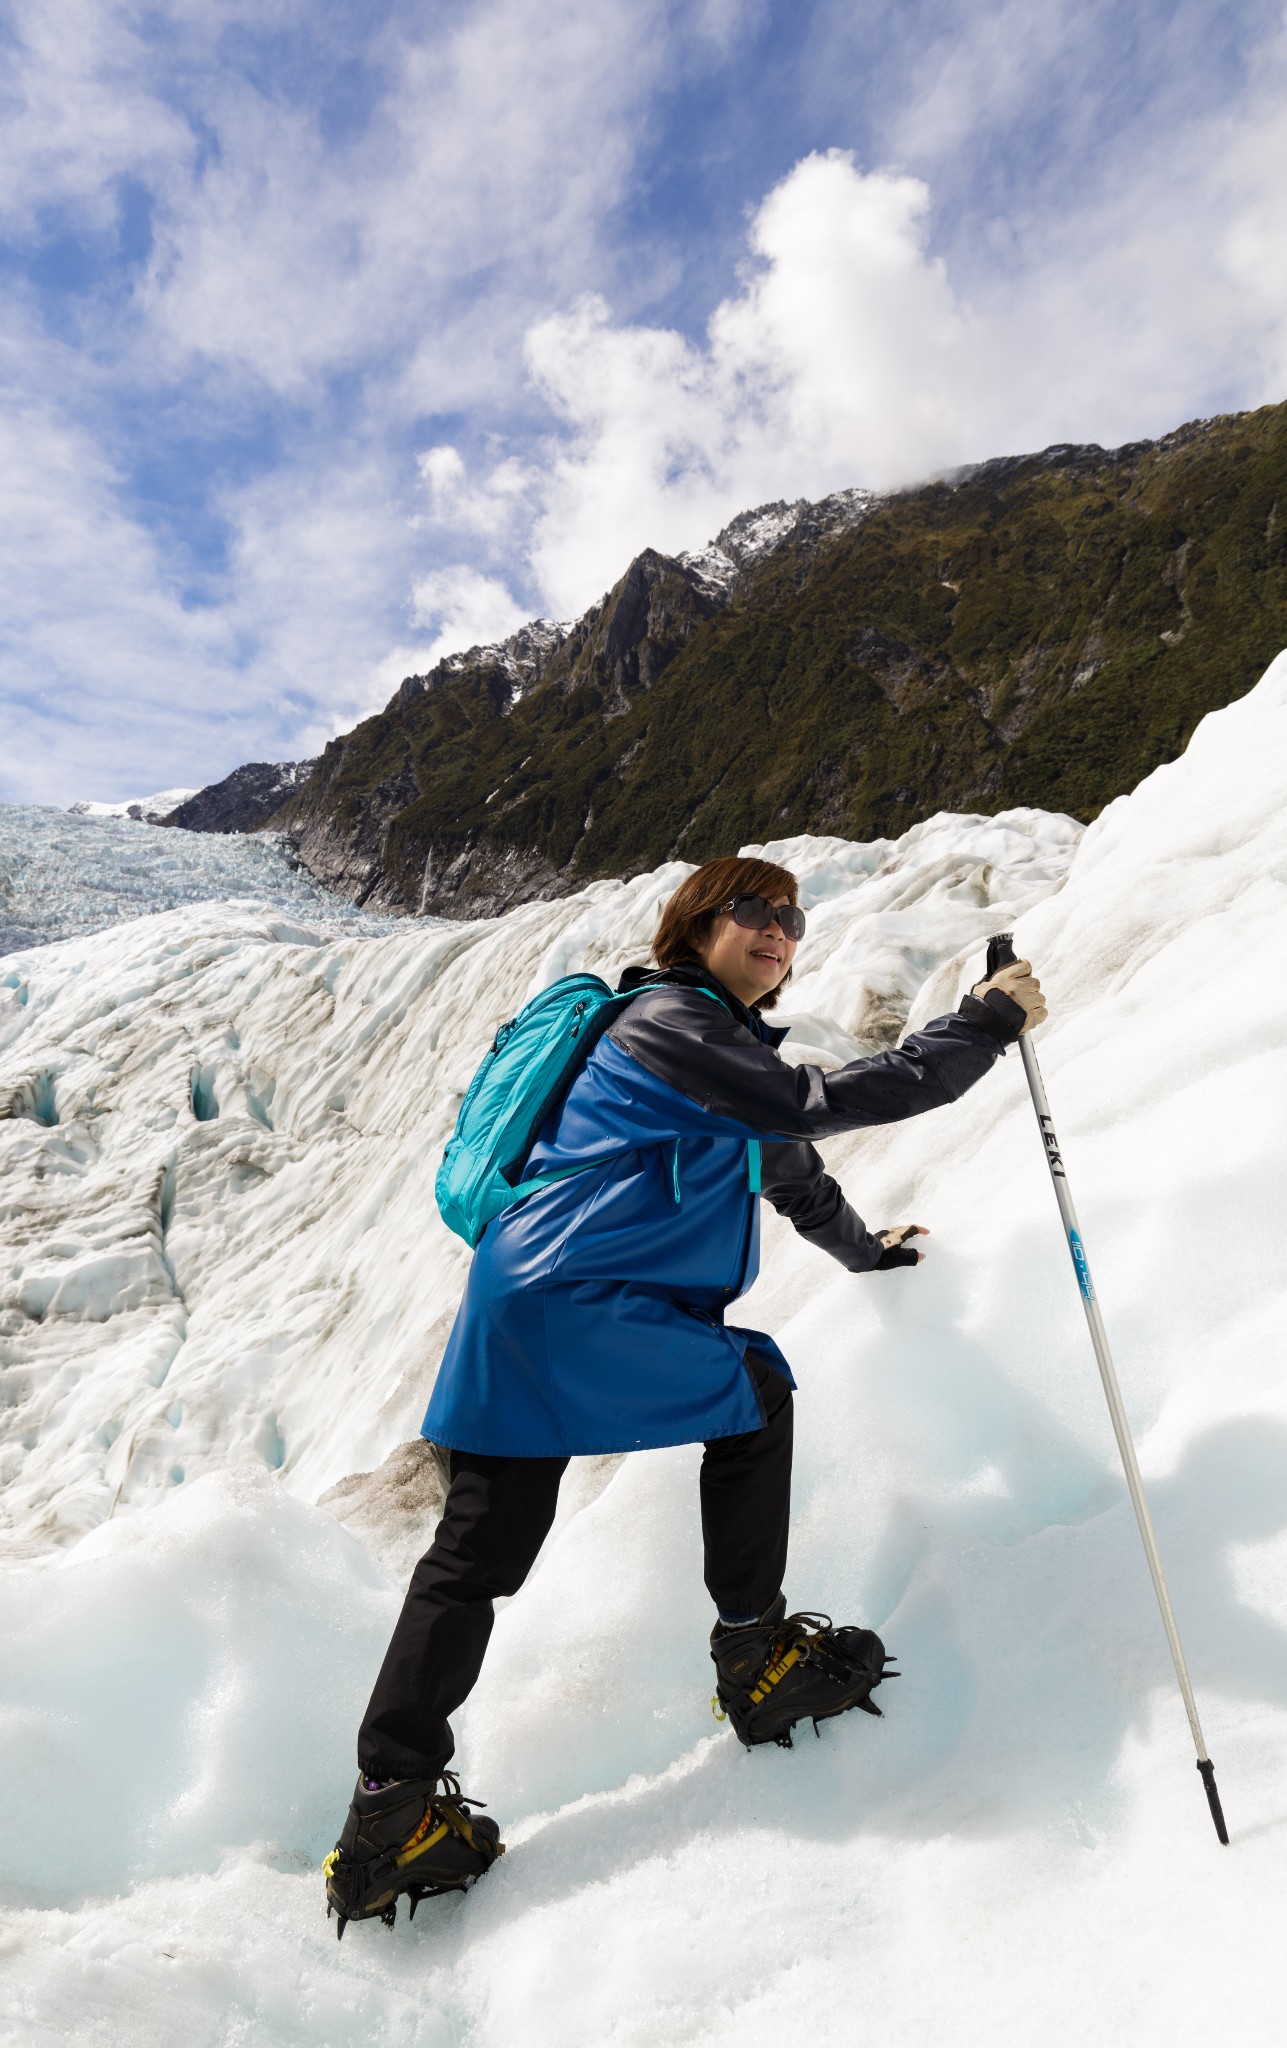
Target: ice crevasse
<point>224,1294</point>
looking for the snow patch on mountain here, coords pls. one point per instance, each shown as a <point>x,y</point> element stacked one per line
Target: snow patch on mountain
<point>229,1290</point>
<point>144,810</point>
<point>745,541</point>
<point>243,801</point>
<point>521,659</point>
<point>752,536</point>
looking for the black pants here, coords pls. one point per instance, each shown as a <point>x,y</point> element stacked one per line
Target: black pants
<point>497,1516</point>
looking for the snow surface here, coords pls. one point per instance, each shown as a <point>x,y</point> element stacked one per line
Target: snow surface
<point>143,810</point>
<point>225,1289</point>
<point>64,875</point>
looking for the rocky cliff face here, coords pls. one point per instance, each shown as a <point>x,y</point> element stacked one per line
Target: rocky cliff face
<point>243,801</point>
<point>361,824</point>
<point>1039,630</point>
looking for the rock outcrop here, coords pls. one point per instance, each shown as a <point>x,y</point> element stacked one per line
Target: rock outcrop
<point>243,801</point>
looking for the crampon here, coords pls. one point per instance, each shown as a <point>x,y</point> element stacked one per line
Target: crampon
<point>787,1668</point>
<point>412,1839</point>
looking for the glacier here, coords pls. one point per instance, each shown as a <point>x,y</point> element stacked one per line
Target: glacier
<point>66,874</point>
<point>223,1294</point>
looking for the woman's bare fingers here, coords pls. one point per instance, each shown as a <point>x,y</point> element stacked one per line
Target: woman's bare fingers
<point>899,1233</point>
<point>1021,985</point>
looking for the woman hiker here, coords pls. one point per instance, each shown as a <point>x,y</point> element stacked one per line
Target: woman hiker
<point>593,1321</point>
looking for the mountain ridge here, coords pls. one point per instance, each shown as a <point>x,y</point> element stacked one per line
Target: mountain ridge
<point>242,801</point>
<point>1037,629</point>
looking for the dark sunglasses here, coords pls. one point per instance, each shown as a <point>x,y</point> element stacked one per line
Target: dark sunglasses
<point>756,914</point>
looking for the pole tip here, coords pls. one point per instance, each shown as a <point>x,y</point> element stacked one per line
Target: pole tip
<point>1207,1771</point>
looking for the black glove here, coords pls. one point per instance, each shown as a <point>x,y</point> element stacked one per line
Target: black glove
<point>901,1252</point>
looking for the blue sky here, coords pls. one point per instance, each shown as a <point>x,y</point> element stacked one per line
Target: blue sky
<point>336,336</point>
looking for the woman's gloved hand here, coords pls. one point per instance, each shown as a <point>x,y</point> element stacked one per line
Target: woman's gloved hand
<point>898,1252</point>
<point>1018,984</point>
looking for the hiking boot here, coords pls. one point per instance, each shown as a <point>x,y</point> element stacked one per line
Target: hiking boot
<point>786,1668</point>
<point>416,1836</point>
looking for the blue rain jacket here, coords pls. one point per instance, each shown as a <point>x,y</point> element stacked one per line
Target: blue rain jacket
<point>593,1315</point>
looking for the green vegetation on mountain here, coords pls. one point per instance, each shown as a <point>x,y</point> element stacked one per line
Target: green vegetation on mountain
<point>1042,630</point>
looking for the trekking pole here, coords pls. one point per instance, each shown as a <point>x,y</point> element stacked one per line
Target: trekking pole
<point>1000,954</point>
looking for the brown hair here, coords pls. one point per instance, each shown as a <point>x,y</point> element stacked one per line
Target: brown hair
<point>688,918</point>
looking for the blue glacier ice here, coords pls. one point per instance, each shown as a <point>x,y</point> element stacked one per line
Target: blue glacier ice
<point>63,876</point>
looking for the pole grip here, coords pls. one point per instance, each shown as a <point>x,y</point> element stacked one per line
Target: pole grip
<point>1001,953</point>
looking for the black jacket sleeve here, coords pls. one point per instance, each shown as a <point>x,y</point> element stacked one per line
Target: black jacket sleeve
<point>689,1039</point>
<point>794,1180</point>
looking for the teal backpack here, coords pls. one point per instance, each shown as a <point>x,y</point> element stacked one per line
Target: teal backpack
<point>532,1063</point>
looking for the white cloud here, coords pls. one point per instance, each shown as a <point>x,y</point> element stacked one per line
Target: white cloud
<point>396,263</point>
<point>848,325</point>
<point>115,675</point>
<point>847,356</point>
<point>490,507</point>
<point>283,252</point>
<point>988,65</point>
<point>839,361</point>
<point>98,654</point>
<point>80,112</point>
<point>502,141</point>
<point>460,608</point>
<point>443,470</point>
<point>467,608</point>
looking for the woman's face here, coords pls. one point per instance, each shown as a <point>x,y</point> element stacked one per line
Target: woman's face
<point>751,964</point>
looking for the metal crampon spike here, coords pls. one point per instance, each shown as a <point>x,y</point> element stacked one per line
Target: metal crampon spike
<point>870,1707</point>
<point>343,1923</point>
